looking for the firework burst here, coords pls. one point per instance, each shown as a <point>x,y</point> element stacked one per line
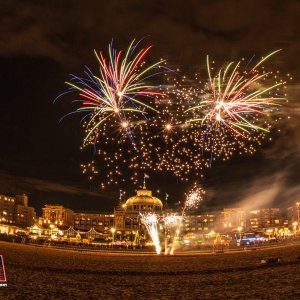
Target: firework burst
<point>171,144</point>
<point>114,103</point>
<point>117,92</point>
<point>171,220</point>
<point>235,107</point>
<point>193,198</point>
<point>178,127</point>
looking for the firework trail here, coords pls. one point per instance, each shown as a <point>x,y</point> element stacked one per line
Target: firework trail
<point>193,199</point>
<point>150,220</point>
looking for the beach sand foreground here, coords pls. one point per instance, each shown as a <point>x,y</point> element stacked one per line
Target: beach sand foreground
<point>46,273</point>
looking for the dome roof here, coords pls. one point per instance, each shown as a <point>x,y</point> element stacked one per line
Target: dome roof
<point>143,197</point>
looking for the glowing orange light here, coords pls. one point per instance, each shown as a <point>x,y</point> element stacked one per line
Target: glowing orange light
<point>168,127</point>
<point>124,124</point>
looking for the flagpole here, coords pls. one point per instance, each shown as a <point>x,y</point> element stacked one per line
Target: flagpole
<point>145,176</point>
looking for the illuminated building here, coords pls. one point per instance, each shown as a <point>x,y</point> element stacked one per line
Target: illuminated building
<point>203,223</point>
<point>63,217</point>
<point>233,218</point>
<point>58,215</point>
<point>264,218</point>
<point>127,221</point>
<point>7,205</point>
<point>254,219</point>
<point>270,217</point>
<point>15,211</point>
<point>293,213</point>
<point>24,214</point>
<point>100,221</point>
<point>90,223</point>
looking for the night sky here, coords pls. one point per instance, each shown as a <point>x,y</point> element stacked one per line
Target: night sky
<point>42,42</point>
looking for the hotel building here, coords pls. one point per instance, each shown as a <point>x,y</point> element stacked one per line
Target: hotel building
<point>102,222</point>
<point>58,215</point>
<point>264,218</point>
<point>293,213</point>
<point>124,223</point>
<point>15,211</point>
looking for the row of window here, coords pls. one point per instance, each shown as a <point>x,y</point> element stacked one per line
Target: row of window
<point>135,226</point>
<point>199,221</point>
<point>198,229</point>
<point>4,220</point>
<point>93,223</point>
<point>144,207</point>
<point>131,226</point>
<point>7,199</point>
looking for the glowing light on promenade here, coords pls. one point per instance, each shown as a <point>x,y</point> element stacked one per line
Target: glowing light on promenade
<point>171,223</point>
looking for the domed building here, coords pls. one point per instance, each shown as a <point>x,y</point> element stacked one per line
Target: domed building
<point>127,220</point>
<point>143,201</point>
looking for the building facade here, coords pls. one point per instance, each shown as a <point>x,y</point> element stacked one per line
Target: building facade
<point>264,218</point>
<point>270,217</point>
<point>125,223</point>
<point>7,209</point>
<point>202,224</point>
<point>102,222</point>
<point>232,219</point>
<point>58,215</point>
<point>64,218</point>
<point>293,213</point>
<point>15,211</point>
<point>127,218</point>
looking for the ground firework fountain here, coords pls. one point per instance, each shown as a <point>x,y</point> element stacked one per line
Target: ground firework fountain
<point>171,222</point>
<point>150,220</point>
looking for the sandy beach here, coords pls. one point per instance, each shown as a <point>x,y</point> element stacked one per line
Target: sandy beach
<point>45,273</point>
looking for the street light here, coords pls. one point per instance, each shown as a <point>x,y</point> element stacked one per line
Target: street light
<point>295,226</point>
<point>240,231</point>
<point>298,211</point>
<point>113,230</point>
<point>51,227</point>
<point>51,232</point>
